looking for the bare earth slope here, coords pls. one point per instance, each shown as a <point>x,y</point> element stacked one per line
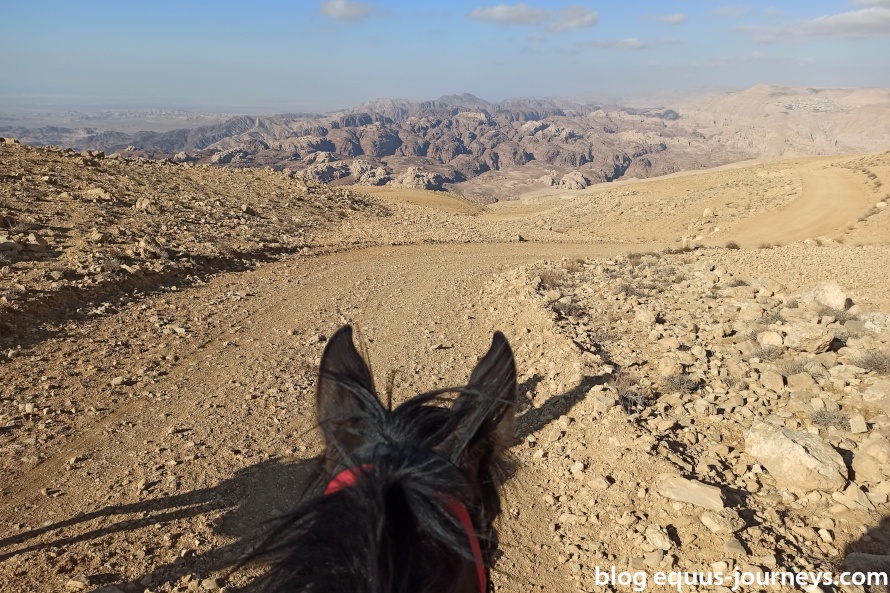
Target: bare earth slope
<point>147,430</point>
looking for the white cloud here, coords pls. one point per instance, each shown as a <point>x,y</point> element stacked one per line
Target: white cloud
<point>861,23</point>
<point>516,14</point>
<point>868,22</point>
<point>575,16</point>
<point>345,10</point>
<point>631,43</point>
<point>673,19</point>
<point>731,11</point>
<point>872,2</point>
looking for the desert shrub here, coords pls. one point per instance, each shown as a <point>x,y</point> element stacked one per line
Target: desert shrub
<point>573,265</point>
<point>792,304</point>
<point>732,245</point>
<point>735,383</point>
<point>111,264</point>
<point>5,260</point>
<point>772,317</point>
<point>569,309</point>
<point>876,361</point>
<point>628,289</point>
<point>634,257</point>
<point>675,250</point>
<point>631,397</point>
<point>681,383</point>
<point>827,418</point>
<point>764,246</point>
<point>768,352</point>
<point>551,279</point>
<point>737,282</point>
<point>840,315</point>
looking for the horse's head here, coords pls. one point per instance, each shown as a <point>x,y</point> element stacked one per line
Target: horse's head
<point>411,493</point>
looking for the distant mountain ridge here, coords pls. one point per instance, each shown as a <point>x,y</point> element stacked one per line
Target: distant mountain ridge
<point>446,142</point>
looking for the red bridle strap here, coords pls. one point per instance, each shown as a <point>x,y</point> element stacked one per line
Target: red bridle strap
<point>348,477</point>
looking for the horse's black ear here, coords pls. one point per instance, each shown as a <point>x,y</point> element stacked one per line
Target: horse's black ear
<point>487,408</point>
<point>347,407</point>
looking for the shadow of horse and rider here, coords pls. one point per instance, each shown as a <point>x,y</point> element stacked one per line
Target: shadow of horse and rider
<point>254,496</point>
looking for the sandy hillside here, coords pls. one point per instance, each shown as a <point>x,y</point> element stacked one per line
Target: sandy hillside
<point>161,326</point>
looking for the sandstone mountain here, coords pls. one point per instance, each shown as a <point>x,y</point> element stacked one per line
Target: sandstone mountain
<point>490,151</point>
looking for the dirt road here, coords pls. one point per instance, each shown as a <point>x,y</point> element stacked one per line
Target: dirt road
<point>158,436</point>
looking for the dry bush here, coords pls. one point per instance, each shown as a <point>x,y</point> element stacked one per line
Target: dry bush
<point>732,245</point>
<point>772,317</point>
<point>876,361</point>
<point>735,383</point>
<point>631,397</point>
<point>569,309</point>
<point>628,289</point>
<point>737,282</point>
<point>768,352</point>
<point>573,266</point>
<point>840,315</point>
<point>826,418</point>
<point>681,383</point>
<point>551,279</point>
<point>5,260</point>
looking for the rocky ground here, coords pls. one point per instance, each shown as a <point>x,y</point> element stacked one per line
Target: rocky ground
<point>687,405</point>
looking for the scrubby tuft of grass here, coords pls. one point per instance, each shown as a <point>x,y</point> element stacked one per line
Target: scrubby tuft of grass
<point>732,245</point>
<point>630,396</point>
<point>569,309</point>
<point>628,289</point>
<point>681,383</point>
<point>840,315</point>
<point>768,352</point>
<point>551,279</point>
<point>876,361</point>
<point>827,418</point>
<point>737,282</point>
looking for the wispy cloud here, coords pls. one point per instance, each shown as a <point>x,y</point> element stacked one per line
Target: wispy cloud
<point>867,22</point>
<point>678,18</point>
<point>630,43</point>
<point>731,11</point>
<point>572,16</point>
<point>575,17</point>
<point>510,14</point>
<point>345,10</point>
<point>872,2</point>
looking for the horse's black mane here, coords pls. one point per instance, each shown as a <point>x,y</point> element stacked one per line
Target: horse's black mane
<point>333,543</point>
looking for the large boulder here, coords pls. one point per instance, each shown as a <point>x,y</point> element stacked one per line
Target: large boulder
<point>871,463</point>
<point>827,294</point>
<point>798,461</point>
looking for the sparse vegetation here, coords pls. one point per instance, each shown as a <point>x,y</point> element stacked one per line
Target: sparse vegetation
<point>876,361</point>
<point>828,418</point>
<point>630,396</point>
<point>628,289</point>
<point>735,383</point>
<point>5,260</point>
<point>681,383</point>
<point>768,352</point>
<point>573,266</point>
<point>737,282</point>
<point>732,245</point>
<point>569,309</point>
<point>551,279</point>
<point>772,317</point>
<point>840,315</point>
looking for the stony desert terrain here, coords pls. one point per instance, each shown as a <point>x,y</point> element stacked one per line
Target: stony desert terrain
<point>704,362</point>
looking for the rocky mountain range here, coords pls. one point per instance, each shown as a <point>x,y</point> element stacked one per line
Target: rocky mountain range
<point>488,151</point>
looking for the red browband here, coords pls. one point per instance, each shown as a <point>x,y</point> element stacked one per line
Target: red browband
<point>348,478</point>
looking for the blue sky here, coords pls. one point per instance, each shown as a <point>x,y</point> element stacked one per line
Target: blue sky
<point>307,55</point>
